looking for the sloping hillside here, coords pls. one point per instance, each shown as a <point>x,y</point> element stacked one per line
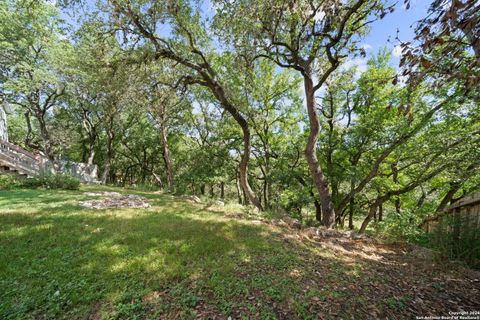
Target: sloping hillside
<point>177,260</point>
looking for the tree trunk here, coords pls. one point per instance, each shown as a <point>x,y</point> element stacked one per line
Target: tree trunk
<point>158,179</point>
<point>91,154</point>
<point>209,79</point>
<point>267,187</point>
<point>318,210</point>
<point>371,212</point>
<point>46,140</point>
<point>351,209</point>
<point>108,162</point>
<point>222,190</point>
<point>166,155</point>
<point>245,198</point>
<point>237,186</point>
<point>319,180</point>
<point>91,130</point>
<point>316,203</point>
<point>243,168</point>
<point>245,158</point>
<point>398,206</point>
<point>211,191</point>
<point>469,26</point>
<point>395,180</point>
<point>380,212</point>
<point>454,187</point>
<point>106,172</point>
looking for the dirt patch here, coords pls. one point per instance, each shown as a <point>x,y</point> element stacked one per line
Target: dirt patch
<point>95,312</point>
<point>114,200</point>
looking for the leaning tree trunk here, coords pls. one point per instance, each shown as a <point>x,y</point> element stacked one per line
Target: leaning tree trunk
<point>371,213</point>
<point>46,141</point>
<point>243,168</point>
<point>91,153</point>
<point>209,80</point>
<point>319,180</point>
<point>245,158</point>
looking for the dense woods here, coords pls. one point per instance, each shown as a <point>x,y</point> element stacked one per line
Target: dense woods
<point>254,102</point>
<point>239,159</point>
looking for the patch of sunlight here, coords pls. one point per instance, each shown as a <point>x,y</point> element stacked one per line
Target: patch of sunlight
<point>154,263</point>
<point>19,210</point>
<point>296,273</point>
<point>356,270</point>
<point>25,230</point>
<point>83,238</point>
<point>244,256</point>
<point>123,213</point>
<point>196,275</point>
<point>109,248</point>
<point>121,266</point>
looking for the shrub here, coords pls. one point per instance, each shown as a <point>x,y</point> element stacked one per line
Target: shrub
<point>60,181</point>
<point>52,181</point>
<point>400,227</point>
<point>458,239</point>
<point>8,182</point>
<point>31,183</point>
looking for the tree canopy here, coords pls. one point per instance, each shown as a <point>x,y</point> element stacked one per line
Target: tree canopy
<point>253,101</point>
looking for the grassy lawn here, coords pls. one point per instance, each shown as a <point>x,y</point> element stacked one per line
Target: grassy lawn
<point>176,260</point>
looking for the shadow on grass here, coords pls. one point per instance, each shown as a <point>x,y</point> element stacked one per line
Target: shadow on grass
<point>174,260</point>
<point>61,258</point>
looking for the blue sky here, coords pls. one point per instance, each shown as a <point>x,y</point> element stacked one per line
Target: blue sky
<point>401,19</point>
<point>383,32</point>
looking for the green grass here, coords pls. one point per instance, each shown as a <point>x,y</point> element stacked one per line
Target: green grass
<point>174,260</point>
<point>59,260</point>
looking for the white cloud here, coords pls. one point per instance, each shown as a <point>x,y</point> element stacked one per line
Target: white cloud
<point>397,51</point>
<point>366,46</point>
<point>359,63</point>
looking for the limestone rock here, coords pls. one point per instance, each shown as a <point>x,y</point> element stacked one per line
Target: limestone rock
<point>279,222</point>
<point>329,233</point>
<point>219,203</point>
<point>310,233</point>
<point>103,194</point>
<point>293,223</point>
<point>193,199</point>
<point>358,236</point>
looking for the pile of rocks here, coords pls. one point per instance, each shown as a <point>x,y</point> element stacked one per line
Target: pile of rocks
<point>317,234</point>
<point>193,199</point>
<point>322,233</point>
<point>103,194</point>
<point>114,200</point>
<point>287,221</point>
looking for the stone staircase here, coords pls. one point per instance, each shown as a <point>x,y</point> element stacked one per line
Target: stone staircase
<point>15,160</point>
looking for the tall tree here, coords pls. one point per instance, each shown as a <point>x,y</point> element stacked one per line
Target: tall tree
<point>312,37</point>
<point>32,55</point>
<point>190,47</point>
